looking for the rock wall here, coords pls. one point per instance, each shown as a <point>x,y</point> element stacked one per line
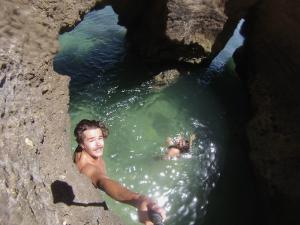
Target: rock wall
<point>38,182</point>
<point>171,30</point>
<point>269,63</point>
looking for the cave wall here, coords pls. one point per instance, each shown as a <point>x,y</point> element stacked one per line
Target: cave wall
<point>38,181</point>
<point>35,161</point>
<point>269,64</point>
<point>172,31</point>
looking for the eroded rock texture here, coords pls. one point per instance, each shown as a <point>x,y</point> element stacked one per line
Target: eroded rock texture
<point>173,30</point>
<point>38,181</point>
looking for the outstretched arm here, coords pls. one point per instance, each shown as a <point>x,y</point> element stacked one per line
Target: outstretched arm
<point>118,192</point>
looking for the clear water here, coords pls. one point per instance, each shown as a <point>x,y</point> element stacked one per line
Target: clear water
<point>109,85</point>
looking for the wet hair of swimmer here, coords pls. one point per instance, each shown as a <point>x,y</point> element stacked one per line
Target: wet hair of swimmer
<point>84,125</point>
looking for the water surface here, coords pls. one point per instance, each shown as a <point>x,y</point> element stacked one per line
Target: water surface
<point>109,85</point>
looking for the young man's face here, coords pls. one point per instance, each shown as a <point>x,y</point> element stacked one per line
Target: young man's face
<point>93,142</point>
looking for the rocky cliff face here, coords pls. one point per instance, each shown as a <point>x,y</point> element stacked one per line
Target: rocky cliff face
<point>172,31</point>
<point>38,182</point>
<point>269,62</point>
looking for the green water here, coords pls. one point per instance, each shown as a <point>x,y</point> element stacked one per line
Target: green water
<point>109,85</point>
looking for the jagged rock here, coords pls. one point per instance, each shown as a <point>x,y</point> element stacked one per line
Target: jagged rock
<point>34,126</point>
<point>173,30</point>
<point>165,78</point>
<point>35,160</point>
<point>269,63</point>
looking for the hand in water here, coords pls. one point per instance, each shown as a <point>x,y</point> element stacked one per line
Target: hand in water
<point>145,207</point>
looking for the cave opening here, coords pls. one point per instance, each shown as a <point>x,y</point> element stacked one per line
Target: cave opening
<point>110,84</point>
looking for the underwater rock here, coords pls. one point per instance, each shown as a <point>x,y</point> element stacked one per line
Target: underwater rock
<point>165,78</point>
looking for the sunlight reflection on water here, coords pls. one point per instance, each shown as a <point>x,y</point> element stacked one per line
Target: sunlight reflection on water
<point>140,119</point>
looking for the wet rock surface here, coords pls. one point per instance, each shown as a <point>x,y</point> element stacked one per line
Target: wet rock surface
<point>165,78</point>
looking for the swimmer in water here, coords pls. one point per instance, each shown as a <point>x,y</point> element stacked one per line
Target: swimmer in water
<point>88,157</point>
<point>178,146</point>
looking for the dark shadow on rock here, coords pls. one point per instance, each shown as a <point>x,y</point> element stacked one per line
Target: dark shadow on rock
<point>235,199</point>
<point>63,192</point>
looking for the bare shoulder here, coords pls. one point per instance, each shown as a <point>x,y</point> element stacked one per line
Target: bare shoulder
<point>95,172</point>
<point>89,169</point>
<point>89,166</point>
<point>80,160</point>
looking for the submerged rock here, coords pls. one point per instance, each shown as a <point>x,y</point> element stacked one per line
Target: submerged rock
<point>165,78</point>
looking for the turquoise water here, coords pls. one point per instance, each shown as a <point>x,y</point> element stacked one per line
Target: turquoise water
<point>109,85</point>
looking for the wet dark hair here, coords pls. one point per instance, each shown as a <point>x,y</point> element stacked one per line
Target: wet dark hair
<point>84,125</point>
<point>185,147</point>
